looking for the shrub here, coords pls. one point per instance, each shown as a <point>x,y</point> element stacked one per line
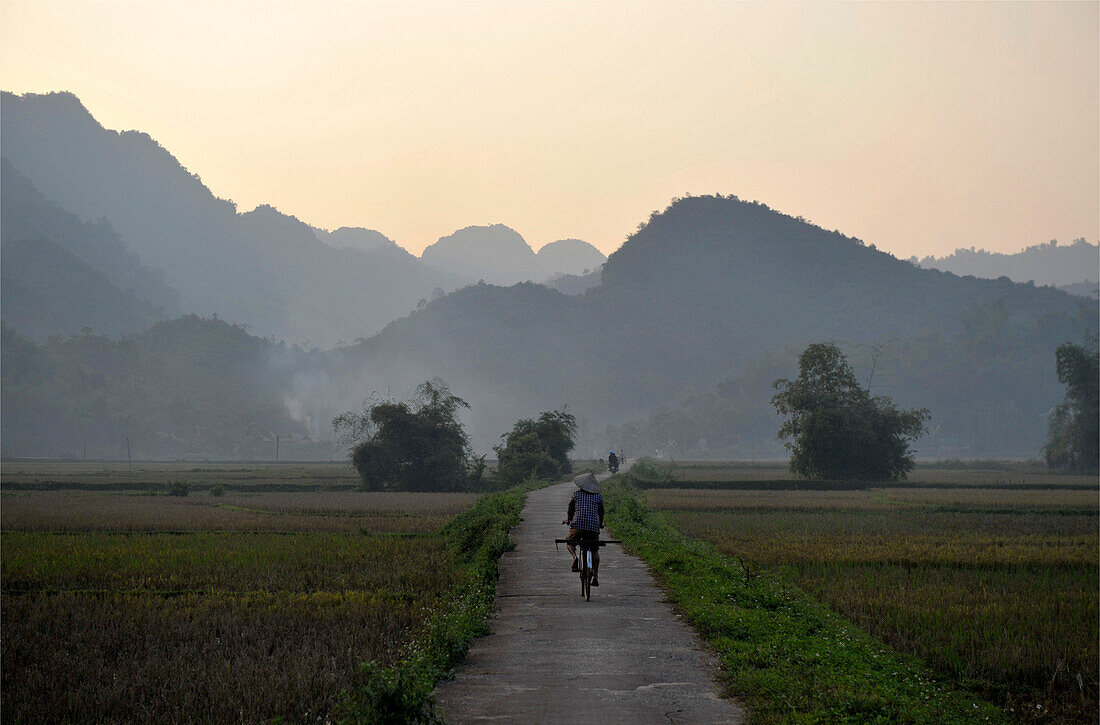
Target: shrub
<point>179,488</point>
<point>647,473</point>
<point>218,490</point>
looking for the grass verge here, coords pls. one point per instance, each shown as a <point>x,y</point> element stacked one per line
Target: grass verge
<point>788,658</point>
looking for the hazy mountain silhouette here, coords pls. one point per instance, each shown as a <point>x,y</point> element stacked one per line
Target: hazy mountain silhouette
<point>364,240</point>
<point>1054,264</point>
<point>1082,289</point>
<point>705,288</point>
<point>713,293</point>
<point>574,284</point>
<point>568,257</point>
<point>263,268</point>
<point>61,275</point>
<point>499,255</point>
<point>496,254</point>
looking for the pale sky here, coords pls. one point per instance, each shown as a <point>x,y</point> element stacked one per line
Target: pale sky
<point>917,127</point>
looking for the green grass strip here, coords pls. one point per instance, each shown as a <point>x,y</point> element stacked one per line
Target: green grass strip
<point>403,693</point>
<point>785,656</point>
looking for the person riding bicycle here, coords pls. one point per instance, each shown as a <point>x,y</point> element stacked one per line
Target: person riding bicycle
<point>585,519</point>
<point>613,462</point>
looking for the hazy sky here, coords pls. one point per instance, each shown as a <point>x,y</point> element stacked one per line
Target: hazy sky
<point>917,127</point>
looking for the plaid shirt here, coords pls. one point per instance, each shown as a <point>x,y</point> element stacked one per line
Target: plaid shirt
<point>585,510</point>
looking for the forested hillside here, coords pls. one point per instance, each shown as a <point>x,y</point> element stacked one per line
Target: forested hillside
<point>61,275</point>
<point>183,388</point>
<point>713,288</point>
<point>264,269</point>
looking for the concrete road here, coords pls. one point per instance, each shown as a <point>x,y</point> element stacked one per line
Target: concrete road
<point>552,657</point>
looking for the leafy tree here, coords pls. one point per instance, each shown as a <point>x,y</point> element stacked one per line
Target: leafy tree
<point>835,429</point>
<point>418,445</point>
<point>1074,433</point>
<point>537,448</point>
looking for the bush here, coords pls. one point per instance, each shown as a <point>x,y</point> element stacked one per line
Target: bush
<point>179,488</point>
<point>218,490</point>
<point>646,473</point>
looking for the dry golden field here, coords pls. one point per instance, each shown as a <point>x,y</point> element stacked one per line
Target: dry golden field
<point>991,576</point>
<point>124,604</point>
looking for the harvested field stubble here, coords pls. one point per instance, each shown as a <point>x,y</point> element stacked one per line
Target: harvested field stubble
<point>296,562</point>
<point>1007,475</point>
<point>280,511</point>
<point>219,657</point>
<point>873,499</point>
<point>155,477</point>
<point>254,607</point>
<point>995,588</point>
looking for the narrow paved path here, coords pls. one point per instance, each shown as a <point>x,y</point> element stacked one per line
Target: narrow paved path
<point>552,657</point>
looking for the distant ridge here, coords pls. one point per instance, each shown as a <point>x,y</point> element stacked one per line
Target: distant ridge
<point>569,257</point>
<point>264,268</point>
<point>1052,263</point>
<point>364,240</point>
<point>498,254</point>
<point>494,253</point>
<point>61,275</point>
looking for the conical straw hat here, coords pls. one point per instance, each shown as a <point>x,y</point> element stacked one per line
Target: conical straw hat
<point>587,482</point>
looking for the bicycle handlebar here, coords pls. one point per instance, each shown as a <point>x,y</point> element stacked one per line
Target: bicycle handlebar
<point>580,542</point>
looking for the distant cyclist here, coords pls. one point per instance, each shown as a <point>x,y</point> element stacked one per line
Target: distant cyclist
<point>585,519</point>
<point>612,462</point>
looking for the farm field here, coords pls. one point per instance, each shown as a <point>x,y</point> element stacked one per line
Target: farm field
<point>990,576</point>
<point>123,605</point>
<point>156,476</point>
<point>726,474</point>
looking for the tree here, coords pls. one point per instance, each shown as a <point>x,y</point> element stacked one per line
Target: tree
<point>835,429</point>
<point>418,445</point>
<point>537,448</point>
<point>1075,423</point>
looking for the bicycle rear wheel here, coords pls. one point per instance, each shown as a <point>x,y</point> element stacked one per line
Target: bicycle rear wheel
<point>586,575</point>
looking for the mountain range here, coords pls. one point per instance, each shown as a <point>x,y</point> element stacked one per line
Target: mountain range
<point>1074,267</point>
<point>702,291</point>
<point>269,270</point>
<point>672,341</point>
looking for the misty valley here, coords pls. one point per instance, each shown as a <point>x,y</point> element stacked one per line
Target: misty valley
<point>139,306</point>
<point>259,471</point>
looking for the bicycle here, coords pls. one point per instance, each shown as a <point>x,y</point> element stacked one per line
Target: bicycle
<point>585,559</point>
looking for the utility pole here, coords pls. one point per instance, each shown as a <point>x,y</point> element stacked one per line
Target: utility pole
<point>276,449</point>
<point>85,449</point>
<point>129,461</point>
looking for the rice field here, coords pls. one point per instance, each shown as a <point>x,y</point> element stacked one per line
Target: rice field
<point>721,474</point>
<point>992,581</point>
<point>199,511</point>
<point>252,606</point>
<point>156,476</point>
